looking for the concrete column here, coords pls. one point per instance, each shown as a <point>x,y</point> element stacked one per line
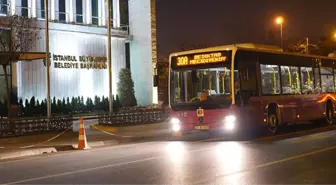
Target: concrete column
<point>73,11</point>
<point>88,4</point>
<point>103,12</point>
<point>30,8</point>
<point>56,9</point>
<point>84,11</point>
<point>53,9</point>
<point>17,7</point>
<point>12,7</point>
<point>100,12</point>
<point>68,11</point>
<point>143,49</point>
<point>33,8</point>
<point>116,14</point>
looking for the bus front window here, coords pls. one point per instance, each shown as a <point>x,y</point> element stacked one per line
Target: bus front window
<point>201,87</point>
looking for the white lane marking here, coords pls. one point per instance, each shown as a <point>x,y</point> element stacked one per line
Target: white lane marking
<point>269,164</point>
<point>97,168</point>
<point>70,152</point>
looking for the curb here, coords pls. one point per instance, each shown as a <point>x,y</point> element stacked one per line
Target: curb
<point>27,152</point>
<point>113,142</point>
<point>11,154</point>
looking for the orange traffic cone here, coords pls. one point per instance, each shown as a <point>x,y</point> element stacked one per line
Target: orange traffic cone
<point>82,143</point>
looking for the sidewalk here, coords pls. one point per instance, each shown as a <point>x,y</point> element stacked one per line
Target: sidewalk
<point>97,136</point>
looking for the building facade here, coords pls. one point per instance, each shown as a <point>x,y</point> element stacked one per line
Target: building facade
<point>78,47</point>
<point>143,47</point>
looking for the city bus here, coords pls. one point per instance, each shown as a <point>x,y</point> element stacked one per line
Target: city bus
<point>247,86</point>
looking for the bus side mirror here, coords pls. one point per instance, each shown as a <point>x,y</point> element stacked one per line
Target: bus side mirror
<point>156,80</point>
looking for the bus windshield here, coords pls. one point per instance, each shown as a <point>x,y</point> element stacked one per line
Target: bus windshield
<point>208,88</point>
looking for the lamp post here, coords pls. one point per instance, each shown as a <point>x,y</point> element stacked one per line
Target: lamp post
<point>279,20</point>
<point>307,45</point>
<point>46,17</point>
<point>109,55</point>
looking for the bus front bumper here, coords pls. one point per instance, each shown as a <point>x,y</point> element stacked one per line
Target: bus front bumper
<point>229,124</point>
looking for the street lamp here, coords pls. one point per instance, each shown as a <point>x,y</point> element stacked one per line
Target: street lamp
<point>279,20</point>
<point>109,55</point>
<point>46,17</point>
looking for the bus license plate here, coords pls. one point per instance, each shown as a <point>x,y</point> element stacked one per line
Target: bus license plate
<point>203,127</point>
<point>200,113</point>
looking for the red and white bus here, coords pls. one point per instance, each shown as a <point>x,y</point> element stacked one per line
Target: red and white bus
<point>246,85</point>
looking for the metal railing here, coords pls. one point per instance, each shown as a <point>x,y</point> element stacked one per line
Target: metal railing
<point>133,117</point>
<point>23,11</point>
<point>40,14</point>
<point>37,125</point>
<point>61,16</point>
<point>79,18</point>
<point>96,20</point>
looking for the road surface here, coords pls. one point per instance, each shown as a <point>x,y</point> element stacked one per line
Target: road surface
<point>295,159</point>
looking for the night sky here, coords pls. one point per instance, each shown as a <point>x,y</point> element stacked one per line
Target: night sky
<point>220,22</point>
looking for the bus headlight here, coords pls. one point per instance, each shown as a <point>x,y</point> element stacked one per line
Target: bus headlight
<point>175,121</point>
<point>176,124</point>
<point>176,127</point>
<point>229,122</point>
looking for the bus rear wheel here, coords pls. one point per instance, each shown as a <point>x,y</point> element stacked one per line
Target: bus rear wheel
<point>273,122</point>
<point>329,118</point>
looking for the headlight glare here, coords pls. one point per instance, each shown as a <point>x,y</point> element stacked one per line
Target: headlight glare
<point>175,121</point>
<point>176,127</point>
<point>229,122</point>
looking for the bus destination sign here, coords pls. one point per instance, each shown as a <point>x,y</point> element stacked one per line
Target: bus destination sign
<point>199,59</point>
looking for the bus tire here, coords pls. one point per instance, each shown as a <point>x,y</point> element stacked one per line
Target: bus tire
<point>329,115</point>
<point>273,120</point>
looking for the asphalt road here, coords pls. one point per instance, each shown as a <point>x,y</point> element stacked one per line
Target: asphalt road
<point>300,158</point>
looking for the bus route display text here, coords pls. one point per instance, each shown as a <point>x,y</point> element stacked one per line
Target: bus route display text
<point>199,59</point>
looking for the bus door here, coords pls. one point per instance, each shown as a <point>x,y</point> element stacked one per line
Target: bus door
<point>248,90</point>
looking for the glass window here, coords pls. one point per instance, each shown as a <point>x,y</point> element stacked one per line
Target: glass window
<point>61,10</point>
<point>24,8</point>
<point>41,10</point>
<point>307,78</point>
<point>3,87</point>
<point>2,71</point>
<point>290,80</point>
<point>206,87</point>
<point>189,85</point>
<point>327,83</point>
<point>79,11</point>
<point>94,8</point>
<point>224,81</point>
<point>124,12</point>
<point>317,80</point>
<point>4,7</point>
<point>326,71</point>
<point>270,79</point>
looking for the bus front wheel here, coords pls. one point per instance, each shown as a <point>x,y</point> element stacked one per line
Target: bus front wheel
<point>273,122</point>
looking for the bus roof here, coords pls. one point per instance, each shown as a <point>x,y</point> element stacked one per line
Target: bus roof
<point>250,47</point>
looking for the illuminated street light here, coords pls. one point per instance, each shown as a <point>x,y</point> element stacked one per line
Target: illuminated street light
<point>279,20</point>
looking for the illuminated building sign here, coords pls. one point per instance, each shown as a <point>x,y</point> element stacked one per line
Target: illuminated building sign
<point>80,62</point>
<point>200,59</point>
